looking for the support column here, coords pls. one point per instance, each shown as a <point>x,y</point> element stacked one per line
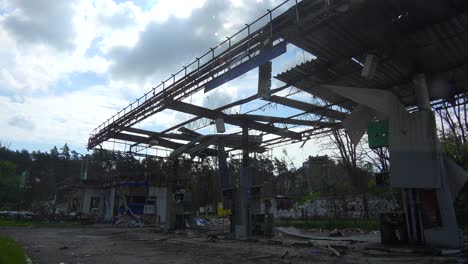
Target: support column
<point>447,234</point>
<point>170,212</point>
<point>242,214</point>
<point>417,163</point>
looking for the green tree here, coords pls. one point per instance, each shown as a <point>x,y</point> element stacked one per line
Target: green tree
<point>75,155</point>
<point>54,152</point>
<point>65,152</point>
<point>9,184</point>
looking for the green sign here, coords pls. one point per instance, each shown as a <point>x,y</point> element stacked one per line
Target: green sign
<point>377,133</point>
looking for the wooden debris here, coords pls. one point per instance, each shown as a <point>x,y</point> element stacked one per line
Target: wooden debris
<point>334,251</point>
<point>302,244</point>
<point>379,251</point>
<point>330,250</point>
<point>274,242</point>
<point>259,257</point>
<point>382,249</point>
<point>342,245</point>
<point>162,239</point>
<point>285,253</point>
<point>291,231</point>
<point>375,253</point>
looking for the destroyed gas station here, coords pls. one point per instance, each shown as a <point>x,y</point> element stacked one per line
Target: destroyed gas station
<point>381,70</point>
<point>380,62</point>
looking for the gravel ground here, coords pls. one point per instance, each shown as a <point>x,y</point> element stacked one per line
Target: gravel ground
<point>145,245</point>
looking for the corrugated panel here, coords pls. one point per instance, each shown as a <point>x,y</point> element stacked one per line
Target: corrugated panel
<point>440,48</point>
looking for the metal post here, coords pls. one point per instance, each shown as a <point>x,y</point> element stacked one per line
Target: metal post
<point>406,210</point>
<point>229,52</point>
<point>412,211</point>
<point>170,212</point>
<point>198,67</point>
<point>248,39</point>
<point>271,22</point>
<point>245,144</point>
<point>297,13</point>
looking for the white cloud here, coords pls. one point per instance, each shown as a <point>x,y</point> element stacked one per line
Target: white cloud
<point>41,22</point>
<point>180,9</point>
<point>69,117</point>
<point>132,47</point>
<point>21,122</point>
<point>42,43</point>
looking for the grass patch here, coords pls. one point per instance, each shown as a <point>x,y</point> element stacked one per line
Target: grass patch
<point>30,223</point>
<point>11,252</point>
<point>330,224</point>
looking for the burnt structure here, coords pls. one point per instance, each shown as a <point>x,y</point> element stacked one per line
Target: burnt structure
<point>375,60</point>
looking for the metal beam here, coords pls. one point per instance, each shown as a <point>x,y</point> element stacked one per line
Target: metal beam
<point>317,110</point>
<point>161,142</point>
<point>188,84</point>
<point>236,103</point>
<point>187,148</point>
<point>189,132</point>
<point>230,141</point>
<point>284,120</point>
<point>231,119</point>
<point>153,134</point>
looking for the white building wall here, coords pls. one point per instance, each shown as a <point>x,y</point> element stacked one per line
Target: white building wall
<point>160,193</point>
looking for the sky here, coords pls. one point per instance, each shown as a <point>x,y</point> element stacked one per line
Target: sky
<point>66,66</point>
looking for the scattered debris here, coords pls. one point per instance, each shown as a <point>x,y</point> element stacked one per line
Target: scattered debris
<point>259,257</point>
<point>128,216</point>
<point>374,253</point>
<point>445,252</point>
<point>135,223</point>
<point>17,215</point>
<point>211,239</point>
<point>274,242</point>
<point>316,251</point>
<point>162,239</point>
<point>331,251</point>
<point>291,231</point>
<point>382,249</point>
<point>334,251</point>
<point>336,233</point>
<point>302,244</point>
<point>202,222</point>
<point>357,230</point>
<point>285,253</point>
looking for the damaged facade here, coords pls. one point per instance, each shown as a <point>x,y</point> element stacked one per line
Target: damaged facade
<point>107,202</point>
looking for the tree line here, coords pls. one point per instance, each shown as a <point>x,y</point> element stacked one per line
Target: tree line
<point>27,177</point>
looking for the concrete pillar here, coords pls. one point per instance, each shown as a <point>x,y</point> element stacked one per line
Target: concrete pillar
<point>422,92</point>
<point>242,215</point>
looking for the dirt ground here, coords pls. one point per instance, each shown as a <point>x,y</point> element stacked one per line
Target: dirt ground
<point>105,244</point>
